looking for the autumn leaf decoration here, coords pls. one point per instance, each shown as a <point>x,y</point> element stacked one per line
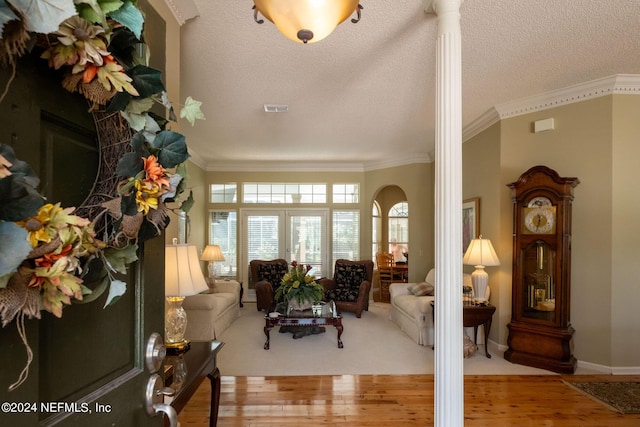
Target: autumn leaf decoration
<point>83,46</point>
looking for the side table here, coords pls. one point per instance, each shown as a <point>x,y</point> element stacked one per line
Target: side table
<point>187,371</point>
<point>475,315</point>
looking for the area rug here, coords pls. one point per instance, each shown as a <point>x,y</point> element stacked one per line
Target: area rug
<point>620,396</point>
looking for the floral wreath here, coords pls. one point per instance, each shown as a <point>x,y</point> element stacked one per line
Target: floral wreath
<point>52,256</point>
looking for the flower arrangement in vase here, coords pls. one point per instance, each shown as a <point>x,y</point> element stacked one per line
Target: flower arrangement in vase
<point>298,288</point>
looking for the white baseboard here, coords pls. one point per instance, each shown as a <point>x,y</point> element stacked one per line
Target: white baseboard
<point>588,366</point>
<point>626,370</point>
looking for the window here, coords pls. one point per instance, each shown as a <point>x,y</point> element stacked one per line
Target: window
<point>376,232</point>
<point>346,193</point>
<point>284,193</point>
<point>293,234</point>
<point>346,235</point>
<point>263,237</point>
<point>399,230</point>
<point>224,193</point>
<point>222,232</point>
<point>297,228</point>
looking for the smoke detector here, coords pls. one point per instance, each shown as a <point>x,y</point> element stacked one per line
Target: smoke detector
<point>274,108</point>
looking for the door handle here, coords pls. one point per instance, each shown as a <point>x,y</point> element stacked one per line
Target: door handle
<point>169,411</point>
<point>154,399</point>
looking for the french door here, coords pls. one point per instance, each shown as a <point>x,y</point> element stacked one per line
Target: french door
<point>293,234</point>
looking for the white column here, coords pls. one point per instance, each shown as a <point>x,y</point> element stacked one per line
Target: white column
<point>449,368</point>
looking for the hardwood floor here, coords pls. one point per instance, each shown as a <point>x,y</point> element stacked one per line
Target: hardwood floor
<point>405,400</point>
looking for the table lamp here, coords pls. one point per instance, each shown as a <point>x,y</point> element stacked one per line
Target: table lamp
<point>212,253</point>
<point>480,254</point>
<point>182,277</point>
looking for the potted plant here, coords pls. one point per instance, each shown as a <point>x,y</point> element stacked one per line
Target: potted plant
<point>298,288</point>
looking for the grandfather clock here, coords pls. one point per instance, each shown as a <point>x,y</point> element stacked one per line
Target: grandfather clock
<point>540,333</point>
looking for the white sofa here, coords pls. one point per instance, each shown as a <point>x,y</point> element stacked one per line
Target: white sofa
<point>413,313</point>
<point>210,314</point>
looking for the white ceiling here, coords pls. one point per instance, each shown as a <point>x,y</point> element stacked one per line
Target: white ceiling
<point>364,97</point>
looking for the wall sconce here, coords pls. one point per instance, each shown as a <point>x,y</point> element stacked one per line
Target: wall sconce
<point>480,254</point>
<point>182,277</point>
<point>306,21</point>
<point>212,253</point>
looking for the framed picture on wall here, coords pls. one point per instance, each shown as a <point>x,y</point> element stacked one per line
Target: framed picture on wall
<point>470,221</point>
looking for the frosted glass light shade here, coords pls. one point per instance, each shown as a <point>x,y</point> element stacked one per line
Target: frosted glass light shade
<point>319,17</point>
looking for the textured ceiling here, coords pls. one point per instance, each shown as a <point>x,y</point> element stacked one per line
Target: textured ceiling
<point>364,97</point>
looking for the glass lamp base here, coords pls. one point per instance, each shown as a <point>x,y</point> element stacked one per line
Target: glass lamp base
<point>175,323</point>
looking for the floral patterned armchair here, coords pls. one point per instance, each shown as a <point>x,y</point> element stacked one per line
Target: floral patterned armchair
<point>350,285</point>
<point>266,277</point>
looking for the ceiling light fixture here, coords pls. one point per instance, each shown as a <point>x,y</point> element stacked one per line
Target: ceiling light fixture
<point>306,21</point>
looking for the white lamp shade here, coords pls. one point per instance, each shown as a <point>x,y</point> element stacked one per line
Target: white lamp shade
<point>480,252</point>
<point>182,271</point>
<point>212,253</point>
<point>319,17</point>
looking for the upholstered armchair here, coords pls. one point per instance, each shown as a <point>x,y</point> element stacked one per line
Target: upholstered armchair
<point>350,285</point>
<point>266,277</point>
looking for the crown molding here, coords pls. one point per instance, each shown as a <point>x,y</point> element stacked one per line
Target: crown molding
<point>628,84</point>
<point>399,161</point>
<point>480,124</point>
<point>616,84</point>
<point>313,166</point>
<point>197,159</point>
<point>265,166</point>
<point>182,10</point>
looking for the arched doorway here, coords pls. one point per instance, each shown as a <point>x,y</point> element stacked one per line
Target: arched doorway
<point>390,228</point>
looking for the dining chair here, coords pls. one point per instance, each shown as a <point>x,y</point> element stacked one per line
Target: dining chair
<point>385,263</point>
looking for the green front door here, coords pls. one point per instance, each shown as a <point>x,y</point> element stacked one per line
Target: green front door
<point>89,367</point>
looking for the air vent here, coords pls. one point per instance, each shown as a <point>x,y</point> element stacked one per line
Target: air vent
<point>273,108</point>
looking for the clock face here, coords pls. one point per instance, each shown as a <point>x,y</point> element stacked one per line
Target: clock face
<point>539,201</point>
<point>540,220</point>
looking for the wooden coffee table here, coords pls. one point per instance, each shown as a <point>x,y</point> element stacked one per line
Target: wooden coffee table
<point>329,317</point>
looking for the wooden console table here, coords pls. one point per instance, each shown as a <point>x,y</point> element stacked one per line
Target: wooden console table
<point>198,362</point>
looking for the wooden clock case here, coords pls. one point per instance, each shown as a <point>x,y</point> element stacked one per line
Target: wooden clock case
<point>540,333</point>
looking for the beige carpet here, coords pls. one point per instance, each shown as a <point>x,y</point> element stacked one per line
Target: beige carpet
<point>372,345</point>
